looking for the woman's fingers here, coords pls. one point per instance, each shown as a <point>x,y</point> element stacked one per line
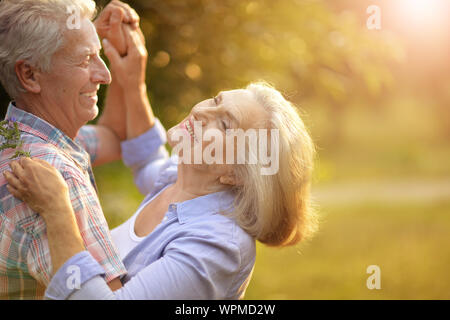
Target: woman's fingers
<point>17,169</point>
<point>132,45</point>
<point>134,41</point>
<point>14,192</point>
<point>15,186</point>
<point>43,163</point>
<point>141,35</point>
<point>12,180</point>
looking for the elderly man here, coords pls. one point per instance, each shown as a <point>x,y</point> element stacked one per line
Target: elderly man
<point>52,73</point>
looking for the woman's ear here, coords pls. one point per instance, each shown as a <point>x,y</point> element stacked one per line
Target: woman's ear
<point>27,76</point>
<point>231,180</point>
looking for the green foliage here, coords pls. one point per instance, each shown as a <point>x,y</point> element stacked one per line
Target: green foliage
<point>198,48</point>
<point>314,54</point>
<point>10,133</point>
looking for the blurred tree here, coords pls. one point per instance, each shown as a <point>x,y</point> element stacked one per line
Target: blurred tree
<point>199,47</point>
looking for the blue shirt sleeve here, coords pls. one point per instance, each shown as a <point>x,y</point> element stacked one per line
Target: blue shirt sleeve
<point>87,137</point>
<point>79,269</point>
<point>193,267</point>
<point>145,155</point>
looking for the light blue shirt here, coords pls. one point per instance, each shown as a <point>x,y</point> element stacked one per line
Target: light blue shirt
<point>196,252</point>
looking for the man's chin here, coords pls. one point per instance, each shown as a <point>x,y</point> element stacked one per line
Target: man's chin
<point>91,113</point>
<point>94,112</point>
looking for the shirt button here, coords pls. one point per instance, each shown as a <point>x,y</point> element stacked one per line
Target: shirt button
<point>172,207</point>
<point>165,218</point>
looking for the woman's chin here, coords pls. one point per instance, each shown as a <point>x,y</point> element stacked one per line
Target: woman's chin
<point>170,132</point>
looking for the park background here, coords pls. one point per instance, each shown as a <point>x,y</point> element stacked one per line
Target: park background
<point>377,104</point>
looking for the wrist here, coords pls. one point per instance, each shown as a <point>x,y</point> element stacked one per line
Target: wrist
<point>134,89</point>
<point>58,214</point>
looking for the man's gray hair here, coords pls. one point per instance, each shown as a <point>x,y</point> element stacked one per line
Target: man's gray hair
<point>33,30</point>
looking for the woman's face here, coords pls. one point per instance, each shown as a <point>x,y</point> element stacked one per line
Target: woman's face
<point>235,109</point>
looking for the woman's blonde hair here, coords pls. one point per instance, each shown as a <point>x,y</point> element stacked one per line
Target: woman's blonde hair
<point>276,209</point>
<point>32,30</point>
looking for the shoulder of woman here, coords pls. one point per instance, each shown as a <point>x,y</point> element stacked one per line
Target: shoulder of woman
<point>225,231</point>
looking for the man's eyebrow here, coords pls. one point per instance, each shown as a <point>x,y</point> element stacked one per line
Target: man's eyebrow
<point>89,51</point>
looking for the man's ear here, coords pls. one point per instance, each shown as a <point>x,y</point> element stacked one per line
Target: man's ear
<point>231,180</point>
<point>27,76</point>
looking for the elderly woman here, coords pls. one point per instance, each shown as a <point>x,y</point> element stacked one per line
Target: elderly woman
<point>193,236</point>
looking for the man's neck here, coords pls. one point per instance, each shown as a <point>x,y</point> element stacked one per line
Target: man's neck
<point>40,110</point>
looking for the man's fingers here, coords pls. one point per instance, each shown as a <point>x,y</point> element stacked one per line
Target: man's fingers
<point>103,17</point>
<point>131,16</point>
<point>117,16</point>
<point>102,22</point>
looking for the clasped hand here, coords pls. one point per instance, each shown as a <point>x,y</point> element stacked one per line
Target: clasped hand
<point>123,43</point>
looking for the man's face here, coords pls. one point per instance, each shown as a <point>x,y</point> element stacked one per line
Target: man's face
<point>70,88</point>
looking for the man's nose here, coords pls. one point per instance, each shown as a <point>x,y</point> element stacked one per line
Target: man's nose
<point>100,73</point>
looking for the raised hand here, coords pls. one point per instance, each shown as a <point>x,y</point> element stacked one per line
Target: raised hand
<point>110,22</point>
<point>128,71</point>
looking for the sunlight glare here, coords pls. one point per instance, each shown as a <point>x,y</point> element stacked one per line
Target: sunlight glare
<point>421,13</point>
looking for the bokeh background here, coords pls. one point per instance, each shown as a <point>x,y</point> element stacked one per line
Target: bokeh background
<point>377,103</point>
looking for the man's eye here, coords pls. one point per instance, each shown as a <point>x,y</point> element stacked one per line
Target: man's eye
<point>85,63</point>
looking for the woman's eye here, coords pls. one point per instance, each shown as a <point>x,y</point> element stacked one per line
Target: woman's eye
<point>224,124</point>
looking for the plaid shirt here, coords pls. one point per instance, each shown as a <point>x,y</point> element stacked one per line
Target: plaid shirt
<point>25,265</point>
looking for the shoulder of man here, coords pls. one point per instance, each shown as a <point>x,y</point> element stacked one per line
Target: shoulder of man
<point>57,157</point>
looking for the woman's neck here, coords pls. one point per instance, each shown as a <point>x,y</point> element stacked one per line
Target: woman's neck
<point>192,183</point>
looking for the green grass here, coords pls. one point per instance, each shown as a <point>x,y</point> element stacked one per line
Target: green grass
<point>410,244</point>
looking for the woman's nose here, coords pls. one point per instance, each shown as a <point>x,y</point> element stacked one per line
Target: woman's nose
<point>200,114</point>
<point>204,112</point>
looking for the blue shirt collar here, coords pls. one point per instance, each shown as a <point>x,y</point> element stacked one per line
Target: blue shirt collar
<point>213,203</point>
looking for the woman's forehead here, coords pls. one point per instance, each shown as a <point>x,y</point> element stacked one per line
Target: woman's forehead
<point>244,106</point>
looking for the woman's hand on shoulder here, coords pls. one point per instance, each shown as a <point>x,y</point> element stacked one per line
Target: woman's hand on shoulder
<point>40,185</point>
